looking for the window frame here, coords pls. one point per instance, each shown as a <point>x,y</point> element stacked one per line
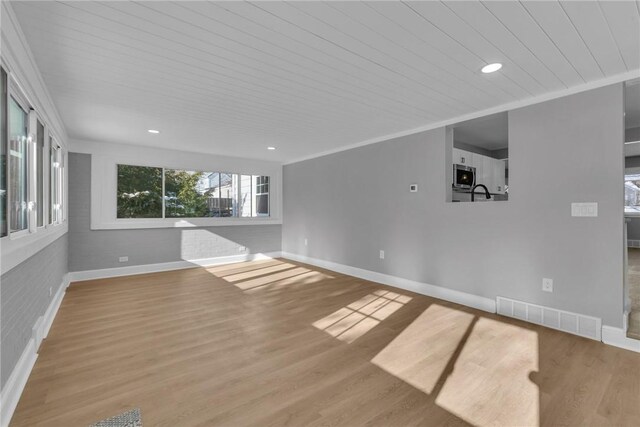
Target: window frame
<point>5,142</point>
<point>253,193</point>
<point>105,158</point>
<point>20,245</point>
<point>34,119</point>
<point>57,217</point>
<point>14,92</point>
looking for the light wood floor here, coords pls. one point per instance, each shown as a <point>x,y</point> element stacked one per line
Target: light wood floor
<point>280,343</point>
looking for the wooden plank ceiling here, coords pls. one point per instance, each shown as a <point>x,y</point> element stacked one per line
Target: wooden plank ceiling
<point>307,77</point>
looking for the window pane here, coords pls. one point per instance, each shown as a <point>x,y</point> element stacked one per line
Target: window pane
<point>52,180</point>
<point>185,194</point>
<point>228,190</point>
<point>244,203</point>
<point>3,154</point>
<point>139,192</point>
<point>56,183</point>
<point>632,193</point>
<point>40,172</point>
<point>210,187</point>
<point>261,196</point>
<point>18,162</point>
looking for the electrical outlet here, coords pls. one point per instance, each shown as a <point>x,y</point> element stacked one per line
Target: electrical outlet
<point>242,248</point>
<point>123,259</point>
<point>547,285</point>
<point>381,254</point>
<point>306,242</point>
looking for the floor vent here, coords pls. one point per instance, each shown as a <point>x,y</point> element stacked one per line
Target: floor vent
<point>633,243</point>
<point>573,323</point>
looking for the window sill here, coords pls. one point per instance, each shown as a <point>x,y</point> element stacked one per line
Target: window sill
<point>124,224</point>
<point>17,249</point>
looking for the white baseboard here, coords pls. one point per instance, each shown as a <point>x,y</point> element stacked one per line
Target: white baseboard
<point>104,273</point>
<point>470,300</point>
<point>12,390</point>
<point>617,337</point>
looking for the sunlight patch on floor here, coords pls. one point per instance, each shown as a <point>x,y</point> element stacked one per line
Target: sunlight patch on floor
<point>353,321</point>
<point>475,368</point>
<point>420,354</point>
<point>270,278</point>
<point>295,281</point>
<point>490,383</point>
<point>256,273</point>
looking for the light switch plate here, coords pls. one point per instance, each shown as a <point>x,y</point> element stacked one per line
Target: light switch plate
<point>584,209</point>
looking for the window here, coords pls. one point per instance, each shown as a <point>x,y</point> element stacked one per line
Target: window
<point>184,193</point>
<point>632,193</point>
<point>18,167</point>
<point>149,192</point>
<point>262,195</point>
<point>25,188</point>
<point>57,183</point>
<point>40,173</point>
<point>139,192</point>
<point>3,153</point>
<point>244,203</point>
<point>51,160</point>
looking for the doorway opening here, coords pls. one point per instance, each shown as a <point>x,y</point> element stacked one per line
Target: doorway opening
<point>632,206</point>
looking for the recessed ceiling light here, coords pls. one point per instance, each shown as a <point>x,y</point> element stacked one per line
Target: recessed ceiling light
<point>153,131</point>
<point>490,68</point>
<point>271,148</point>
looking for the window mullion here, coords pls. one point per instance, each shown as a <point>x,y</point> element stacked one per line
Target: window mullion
<point>163,193</point>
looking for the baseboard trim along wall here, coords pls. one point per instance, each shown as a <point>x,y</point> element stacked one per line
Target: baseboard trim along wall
<point>78,276</point>
<point>595,330</point>
<point>470,300</point>
<point>10,394</point>
<point>617,337</point>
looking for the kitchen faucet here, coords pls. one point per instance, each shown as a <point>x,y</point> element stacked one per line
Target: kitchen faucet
<point>486,192</point>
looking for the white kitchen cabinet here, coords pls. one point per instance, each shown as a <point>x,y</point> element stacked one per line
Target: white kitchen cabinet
<point>499,178</point>
<point>461,157</point>
<point>489,171</point>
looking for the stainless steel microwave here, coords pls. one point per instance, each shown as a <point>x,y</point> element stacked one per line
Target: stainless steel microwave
<point>464,176</point>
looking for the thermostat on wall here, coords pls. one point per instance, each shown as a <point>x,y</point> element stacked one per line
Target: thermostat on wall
<point>413,188</point>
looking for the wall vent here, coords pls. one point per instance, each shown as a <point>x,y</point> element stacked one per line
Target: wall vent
<point>633,243</point>
<point>573,323</point>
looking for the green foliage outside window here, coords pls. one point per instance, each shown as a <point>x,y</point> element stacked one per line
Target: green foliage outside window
<point>182,196</point>
<point>139,192</point>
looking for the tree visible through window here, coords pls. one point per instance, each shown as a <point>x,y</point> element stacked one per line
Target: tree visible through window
<point>189,194</point>
<point>139,192</point>
<point>181,195</point>
<point>18,166</point>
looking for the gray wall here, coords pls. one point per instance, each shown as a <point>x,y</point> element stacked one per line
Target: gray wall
<point>25,297</point>
<point>633,228</point>
<point>632,134</point>
<point>351,204</point>
<point>97,249</point>
<point>632,162</point>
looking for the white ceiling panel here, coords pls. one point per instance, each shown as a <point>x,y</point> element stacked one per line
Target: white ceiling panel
<point>309,77</point>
